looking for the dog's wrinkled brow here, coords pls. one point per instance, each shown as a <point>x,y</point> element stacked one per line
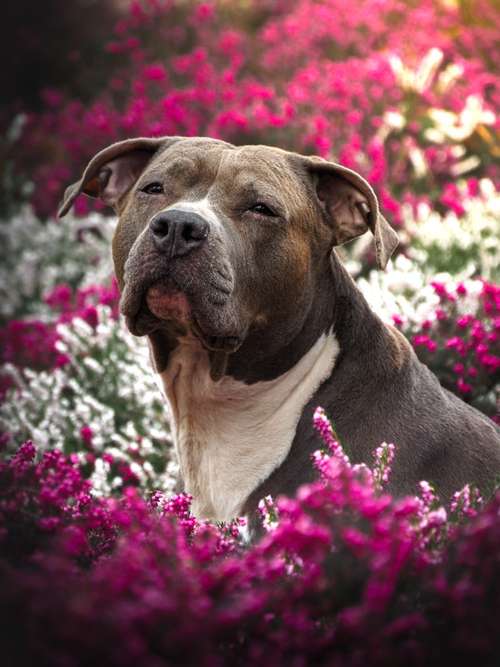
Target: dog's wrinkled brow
<point>182,168</point>
<point>179,169</point>
<point>256,191</point>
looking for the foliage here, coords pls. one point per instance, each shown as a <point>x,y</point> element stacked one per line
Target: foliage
<point>37,257</point>
<point>463,245</point>
<point>453,325</point>
<point>99,562</point>
<point>99,402</point>
<point>460,343</point>
<point>345,574</point>
<point>411,109</point>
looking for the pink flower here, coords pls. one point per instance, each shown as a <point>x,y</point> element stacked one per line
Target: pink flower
<point>86,434</point>
<point>204,11</point>
<point>465,320</point>
<point>60,298</point>
<point>451,197</point>
<point>454,343</point>
<point>463,387</point>
<point>155,72</point>
<point>324,428</point>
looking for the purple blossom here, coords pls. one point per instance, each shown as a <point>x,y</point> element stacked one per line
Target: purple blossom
<point>341,570</point>
<point>344,574</point>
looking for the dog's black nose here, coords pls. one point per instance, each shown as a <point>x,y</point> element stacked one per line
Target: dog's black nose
<point>175,232</point>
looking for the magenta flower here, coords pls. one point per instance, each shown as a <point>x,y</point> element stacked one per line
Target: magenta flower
<point>86,434</point>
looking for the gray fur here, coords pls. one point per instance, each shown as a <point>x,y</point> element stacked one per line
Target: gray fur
<point>379,391</point>
<point>262,291</point>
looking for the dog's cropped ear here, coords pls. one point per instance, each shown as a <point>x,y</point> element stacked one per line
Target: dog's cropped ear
<point>113,171</point>
<point>351,206</point>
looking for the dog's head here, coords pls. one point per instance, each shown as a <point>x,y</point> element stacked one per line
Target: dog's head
<point>223,241</point>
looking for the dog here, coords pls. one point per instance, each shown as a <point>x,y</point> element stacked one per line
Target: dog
<point>225,258</point>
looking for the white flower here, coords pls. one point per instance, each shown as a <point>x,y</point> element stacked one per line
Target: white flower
<point>433,240</point>
<point>37,255</point>
<point>117,397</point>
<point>394,120</point>
<point>421,78</point>
<point>458,127</point>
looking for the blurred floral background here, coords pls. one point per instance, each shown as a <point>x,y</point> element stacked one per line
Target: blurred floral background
<point>405,92</point>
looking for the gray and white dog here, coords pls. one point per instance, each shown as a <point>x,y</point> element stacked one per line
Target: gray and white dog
<point>225,259</point>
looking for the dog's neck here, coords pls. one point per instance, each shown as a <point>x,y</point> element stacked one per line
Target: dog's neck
<point>338,304</point>
<point>230,435</point>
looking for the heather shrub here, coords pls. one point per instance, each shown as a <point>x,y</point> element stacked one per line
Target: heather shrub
<point>38,257</point>
<point>460,342</point>
<point>100,403</point>
<point>72,378</point>
<point>453,326</point>
<point>412,110</point>
<point>31,340</point>
<point>463,245</point>
<point>100,562</point>
<point>344,574</point>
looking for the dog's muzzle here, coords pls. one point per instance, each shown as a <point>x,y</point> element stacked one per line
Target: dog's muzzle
<point>176,233</point>
<point>178,278</point>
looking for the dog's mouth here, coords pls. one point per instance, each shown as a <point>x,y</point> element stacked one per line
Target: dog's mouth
<point>164,305</point>
<point>166,302</point>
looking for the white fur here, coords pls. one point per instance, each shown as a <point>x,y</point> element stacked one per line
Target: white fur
<point>230,436</point>
<point>200,206</point>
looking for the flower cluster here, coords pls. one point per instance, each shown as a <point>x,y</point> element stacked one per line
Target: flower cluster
<point>102,405</point>
<point>50,274</point>
<point>452,324</point>
<point>464,244</point>
<point>100,562</point>
<point>35,342</point>
<point>38,256</point>
<point>345,573</point>
<point>412,112</point>
<point>459,341</point>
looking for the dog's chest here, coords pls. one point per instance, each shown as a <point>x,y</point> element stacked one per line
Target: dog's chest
<point>230,436</point>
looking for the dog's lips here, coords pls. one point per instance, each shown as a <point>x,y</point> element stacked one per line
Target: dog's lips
<point>168,303</point>
<point>162,303</point>
<point>139,319</point>
<point>142,323</point>
<point>227,344</point>
<point>147,305</point>
<point>146,310</point>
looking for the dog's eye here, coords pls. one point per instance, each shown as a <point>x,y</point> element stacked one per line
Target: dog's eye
<point>153,189</point>
<point>262,209</point>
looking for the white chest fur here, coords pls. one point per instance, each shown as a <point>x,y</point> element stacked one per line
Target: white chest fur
<point>229,435</point>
